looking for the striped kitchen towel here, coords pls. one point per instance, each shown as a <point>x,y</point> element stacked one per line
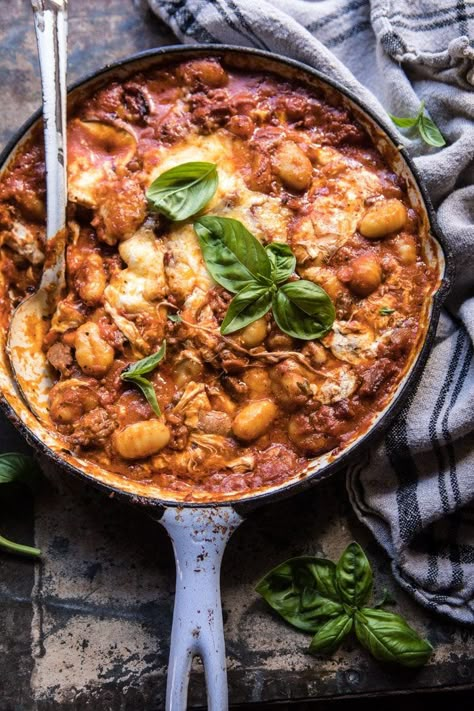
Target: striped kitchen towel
<point>416,490</point>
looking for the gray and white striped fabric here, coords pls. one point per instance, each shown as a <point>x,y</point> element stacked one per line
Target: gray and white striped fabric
<point>416,490</point>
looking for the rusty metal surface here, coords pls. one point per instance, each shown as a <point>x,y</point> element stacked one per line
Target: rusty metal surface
<point>89,627</point>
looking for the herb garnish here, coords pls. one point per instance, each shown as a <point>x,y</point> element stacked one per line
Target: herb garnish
<point>386,312</point>
<point>182,191</point>
<point>134,374</point>
<point>175,318</point>
<point>20,469</point>
<point>427,129</point>
<point>237,261</point>
<point>328,600</point>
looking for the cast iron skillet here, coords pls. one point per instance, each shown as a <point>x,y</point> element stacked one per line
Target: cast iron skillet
<point>200,530</point>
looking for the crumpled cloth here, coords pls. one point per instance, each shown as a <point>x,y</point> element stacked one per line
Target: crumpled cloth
<point>415,491</point>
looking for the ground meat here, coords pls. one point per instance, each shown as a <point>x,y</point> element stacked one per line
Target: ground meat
<point>232,362</point>
<point>234,387</point>
<point>92,429</point>
<point>60,357</point>
<point>275,464</point>
<point>375,376</point>
<point>179,431</point>
<point>219,300</point>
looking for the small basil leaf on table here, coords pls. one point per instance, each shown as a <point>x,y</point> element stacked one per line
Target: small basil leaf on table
<point>20,469</point>
<point>430,133</point>
<point>282,259</point>
<point>390,639</point>
<point>290,589</point>
<point>233,256</point>
<point>303,310</point>
<point>328,638</point>
<point>404,122</point>
<point>354,576</point>
<point>253,302</point>
<point>135,372</point>
<point>182,191</point>
<point>16,468</point>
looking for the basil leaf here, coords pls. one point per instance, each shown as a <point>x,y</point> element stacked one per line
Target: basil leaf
<point>390,639</point>
<point>303,310</point>
<point>253,302</point>
<point>175,318</point>
<point>330,635</point>
<point>282,259</point>
<point>430,133</point>
<point>19,468</point>
<point>149,392</point>
<point>324,573</point>
<point>16,468</point>
<point>233,256</point>
<point>404,122</point>
<point>182,191</point>
<point>145,365</point>
<point>135,372</point>
<point>290,589</point>
<point>386,312</point>
<point>354,576</point>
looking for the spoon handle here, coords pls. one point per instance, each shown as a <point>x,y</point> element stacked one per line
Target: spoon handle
<point>51,37</point>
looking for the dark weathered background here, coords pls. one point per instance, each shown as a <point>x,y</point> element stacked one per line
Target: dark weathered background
<point>88,628</point>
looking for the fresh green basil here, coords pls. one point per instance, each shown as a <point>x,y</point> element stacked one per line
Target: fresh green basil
<point>354,576</point>
<point>386,312</point>
<point>251,303</point>
<point>328,638</point>
<point>327,600</point>
<point>430,133</point>
<point>20,469</point>
<point>175,318</point>
<point>389,638</point>
<point>303,310</point>
<point>135,374</point>
<point>426,128</point>
<point>404,122</point>
<point>16,468</point>
<point>282,259</point>
<point>291,590</point>
<point>233,256</point>
<point>182,191</point>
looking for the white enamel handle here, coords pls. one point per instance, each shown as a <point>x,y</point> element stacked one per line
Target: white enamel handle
<point>199,537</point>
<point>51,37</point>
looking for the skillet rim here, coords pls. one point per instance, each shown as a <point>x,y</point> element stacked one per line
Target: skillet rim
<point>156,506</point>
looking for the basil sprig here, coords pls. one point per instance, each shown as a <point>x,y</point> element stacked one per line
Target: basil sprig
<point>182,191</point>
<point>237,261</point>
<point>135,373</point>
<point>328,600</point>
<point>16,468</point>
<point>422,123</point>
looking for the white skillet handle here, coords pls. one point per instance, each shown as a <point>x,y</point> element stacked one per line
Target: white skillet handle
<point>51,38</point>
<point>199,537</point>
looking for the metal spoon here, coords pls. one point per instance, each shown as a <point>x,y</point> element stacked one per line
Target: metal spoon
<point>29,322</point>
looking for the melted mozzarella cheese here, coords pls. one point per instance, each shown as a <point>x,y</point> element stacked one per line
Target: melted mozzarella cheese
<point>353,342</point>
<point>95,151</point>
<point>336,209</point>
<point>134,290</point>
